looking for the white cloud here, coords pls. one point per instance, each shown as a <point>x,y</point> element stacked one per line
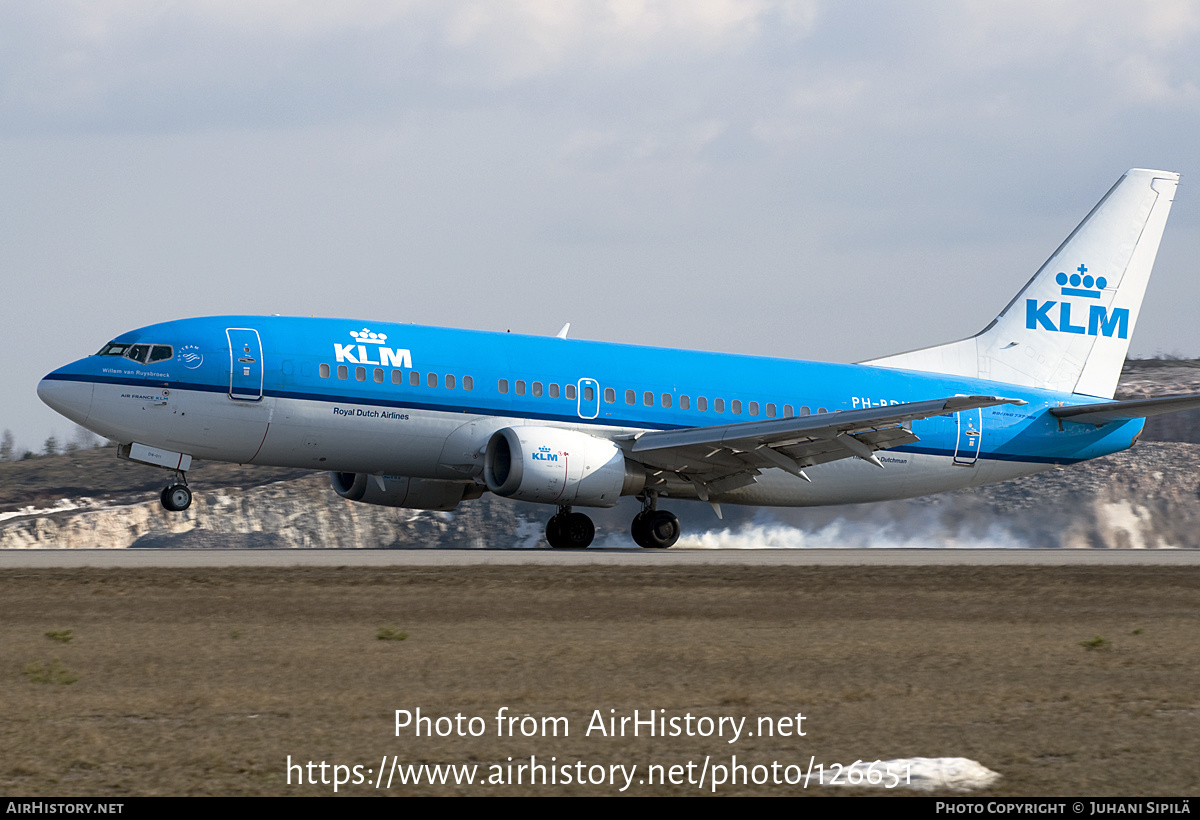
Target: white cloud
<point>645,145</point>
<point>139,64</point>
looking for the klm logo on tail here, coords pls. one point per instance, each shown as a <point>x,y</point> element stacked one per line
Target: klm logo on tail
<point>1099,320</point>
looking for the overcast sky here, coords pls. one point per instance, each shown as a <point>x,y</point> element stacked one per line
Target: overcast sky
<point>808,179</point>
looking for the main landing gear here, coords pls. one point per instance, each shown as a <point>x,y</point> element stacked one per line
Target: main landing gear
<point>176,497</point>
<point>569,530</point>
<point>654,528</point>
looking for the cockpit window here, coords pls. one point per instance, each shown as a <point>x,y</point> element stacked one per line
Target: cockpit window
<point>160,353</point>
<point>138,353</point>
<point>146,354</point>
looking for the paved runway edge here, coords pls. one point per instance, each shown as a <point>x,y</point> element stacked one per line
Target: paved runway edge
<point>138,558</point>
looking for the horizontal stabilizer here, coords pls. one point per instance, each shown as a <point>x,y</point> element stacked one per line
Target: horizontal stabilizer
<point>1125,410</point>
<point>822,425</point>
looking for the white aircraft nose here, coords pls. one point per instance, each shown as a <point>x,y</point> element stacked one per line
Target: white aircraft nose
<point>72,399</point>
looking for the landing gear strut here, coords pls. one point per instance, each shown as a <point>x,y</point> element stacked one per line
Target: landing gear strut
<point>176,497</point>
<point>569,530</point>
<point>654,528</point>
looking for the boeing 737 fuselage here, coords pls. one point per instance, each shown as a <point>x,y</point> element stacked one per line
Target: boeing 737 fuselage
<point>425,417</point>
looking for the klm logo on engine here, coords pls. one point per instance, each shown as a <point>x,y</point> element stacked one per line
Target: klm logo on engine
<point>1099,320</point>
<point>368,343</point>
<point>543,454</point>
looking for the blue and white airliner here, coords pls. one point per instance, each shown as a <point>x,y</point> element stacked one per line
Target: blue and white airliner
<point>428,417</point>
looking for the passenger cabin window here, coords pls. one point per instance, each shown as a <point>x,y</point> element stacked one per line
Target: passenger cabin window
<point>324,371</point>
<point>787,411</point>
<point>431,379</point>
<point>449,382</point>
<point>553,390</point>
<point>666,399</point>
<point>468,383</point>
<point>610,395</point>
<point>397,377</point>
<point>701,404</point>
<point>770,411</point>
<point>648,399</point>
<point>684,402</point>
<point>343,372</point>
<point>520,387</point>
<point>719,405</point>
<point>589,393</point>
<point>414,378</point>
<point>571,392</point>
<point>737,407</point>
<point>754,408</point>
<point>630,397</point>
<point>360,373</point>
<point>537,389</point>
<point>379,375</point>
<point>503,386</point>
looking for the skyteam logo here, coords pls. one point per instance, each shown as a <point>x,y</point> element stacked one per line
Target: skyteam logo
<point>544,454</point>
<point>191,357</point>
<point>369,343</point>
<point>1099,321</point>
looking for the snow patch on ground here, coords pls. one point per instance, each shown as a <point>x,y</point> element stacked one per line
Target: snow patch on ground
<point>923,774</point>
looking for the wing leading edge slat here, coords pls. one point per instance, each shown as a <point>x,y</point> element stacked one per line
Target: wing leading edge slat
<point>822,426</point>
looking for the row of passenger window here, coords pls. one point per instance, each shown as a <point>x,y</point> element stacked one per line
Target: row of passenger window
<point>379,375</point>
<point>552,390</point>
<point>665,400</point>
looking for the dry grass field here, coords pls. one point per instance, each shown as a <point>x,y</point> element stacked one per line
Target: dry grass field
<point>1066,681</point>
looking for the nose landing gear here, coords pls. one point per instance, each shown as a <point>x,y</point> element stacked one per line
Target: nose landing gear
<point>176,497</point>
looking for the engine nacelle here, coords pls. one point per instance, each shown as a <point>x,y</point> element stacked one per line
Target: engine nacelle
<point>549,465</point>
<point>401,491</point>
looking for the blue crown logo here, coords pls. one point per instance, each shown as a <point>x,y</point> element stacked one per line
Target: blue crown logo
<point>544,449</point>
<point>1082,278</point>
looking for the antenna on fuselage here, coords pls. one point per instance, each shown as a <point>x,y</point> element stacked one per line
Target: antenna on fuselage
<point>562,334</point>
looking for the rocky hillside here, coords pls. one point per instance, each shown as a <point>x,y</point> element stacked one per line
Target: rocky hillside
<point>302,512</point>
<point>1147,497</point>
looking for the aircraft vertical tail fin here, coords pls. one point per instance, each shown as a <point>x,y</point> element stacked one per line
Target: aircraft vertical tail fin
<point>1068,329</point>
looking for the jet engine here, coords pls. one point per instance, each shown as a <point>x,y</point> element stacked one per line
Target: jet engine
<point>554,466</point>
<point>401,491</point>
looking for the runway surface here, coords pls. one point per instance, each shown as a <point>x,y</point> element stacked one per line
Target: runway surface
<point>216,680</point>
<point>137,558</point>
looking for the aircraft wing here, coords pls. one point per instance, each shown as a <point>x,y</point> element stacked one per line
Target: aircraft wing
<point>1108,411</point>
<point>724,457</point>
